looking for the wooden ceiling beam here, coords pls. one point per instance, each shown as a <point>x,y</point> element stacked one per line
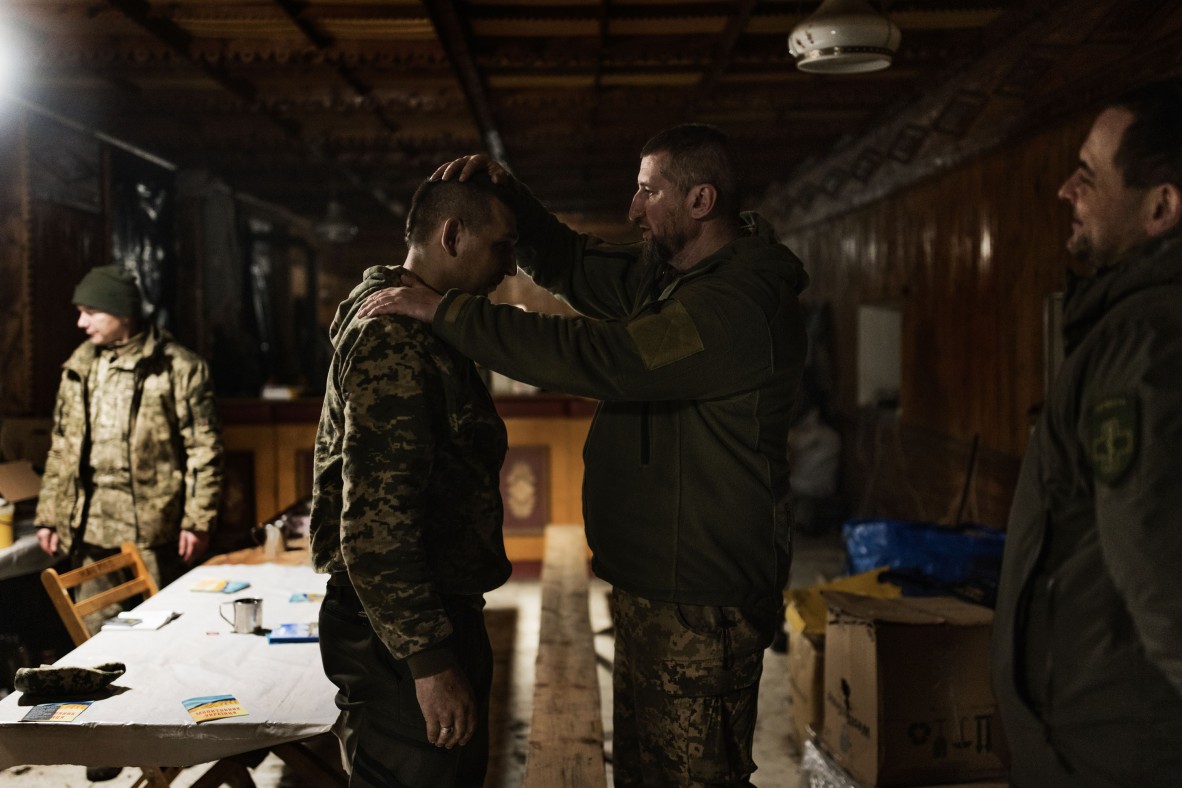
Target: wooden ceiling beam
<point>552,22</point>
<point>181,42</point>
<point>456,38</point>
<point>724,52</point>
<point>324,42</point>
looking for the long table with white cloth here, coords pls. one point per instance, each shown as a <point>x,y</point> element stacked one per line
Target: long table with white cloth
<point>140,719</point>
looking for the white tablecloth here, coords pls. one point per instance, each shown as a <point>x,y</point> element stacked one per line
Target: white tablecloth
<point>24,557</point>
<point>281,686</point>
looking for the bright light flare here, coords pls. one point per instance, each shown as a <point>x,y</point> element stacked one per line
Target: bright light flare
<point>12,60</point>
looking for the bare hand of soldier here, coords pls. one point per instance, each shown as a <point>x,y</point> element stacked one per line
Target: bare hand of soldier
<point>192,545</point>
<point>465,167</point>
<point>449,707</point>
<point>415,300</point>
<point>48,539</point>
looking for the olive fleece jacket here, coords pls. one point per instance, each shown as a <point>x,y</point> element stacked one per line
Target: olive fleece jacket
<point>685,494</point>
<point>1087,651</point>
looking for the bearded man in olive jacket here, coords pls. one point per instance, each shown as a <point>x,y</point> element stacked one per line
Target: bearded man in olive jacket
<point>1087,652</point>
<point>136,452</point>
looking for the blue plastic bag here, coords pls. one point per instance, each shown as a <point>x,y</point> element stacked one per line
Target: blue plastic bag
<point>946,558</point>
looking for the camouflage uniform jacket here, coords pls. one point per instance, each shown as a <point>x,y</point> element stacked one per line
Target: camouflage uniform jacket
<point>173,444</point>
<point>685,494</point>
<point>406,495</point>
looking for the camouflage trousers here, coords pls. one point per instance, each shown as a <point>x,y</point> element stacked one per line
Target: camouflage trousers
<point>686,687</point>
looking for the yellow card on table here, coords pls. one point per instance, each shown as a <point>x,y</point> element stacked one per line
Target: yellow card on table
<point>213,707</point>
<point>218,584</point>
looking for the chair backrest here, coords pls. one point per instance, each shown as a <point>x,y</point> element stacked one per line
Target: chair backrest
<point>59,585</point>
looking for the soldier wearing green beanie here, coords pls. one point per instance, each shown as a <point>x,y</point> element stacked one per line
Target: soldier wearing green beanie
<point>95,494</point>
<point>106,478</point>
<point>132,402</point>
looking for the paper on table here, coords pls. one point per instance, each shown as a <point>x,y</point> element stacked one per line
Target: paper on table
<point>139,620</point>
<point>213,707</point>
<point>301,596</point>
<point>300,632</point>
<point>56,712</point>
<point>218,584</point>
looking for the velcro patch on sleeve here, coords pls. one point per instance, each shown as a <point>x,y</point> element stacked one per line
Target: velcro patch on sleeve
<point>1114,438</point>
<point>453,309</point>
<point>665,336</point>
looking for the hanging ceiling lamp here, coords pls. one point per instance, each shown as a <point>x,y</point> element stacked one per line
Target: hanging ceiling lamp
<point>335,227</point>
<point>844,37</point>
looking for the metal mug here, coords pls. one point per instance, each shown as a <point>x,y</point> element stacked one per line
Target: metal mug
<point>248,615</point>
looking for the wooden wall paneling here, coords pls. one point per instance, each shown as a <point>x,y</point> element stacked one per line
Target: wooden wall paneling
<point>192,252</point>
<point>237,515</point>
<point>971,255</point>
<point>564,438</point>
<point>259,441</point>
<point>66,242</point>
<point>68,235</point>
<point>278,439</point>
<point>16,335</point>
<point>294,444</point>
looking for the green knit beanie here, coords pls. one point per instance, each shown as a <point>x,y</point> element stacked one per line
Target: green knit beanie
<point>111,289</point>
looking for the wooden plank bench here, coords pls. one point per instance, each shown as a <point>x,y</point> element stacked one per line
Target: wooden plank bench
<point>566,735</point>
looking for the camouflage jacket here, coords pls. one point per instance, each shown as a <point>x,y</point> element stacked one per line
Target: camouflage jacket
<point>173,442</point>
<point>406,494</point>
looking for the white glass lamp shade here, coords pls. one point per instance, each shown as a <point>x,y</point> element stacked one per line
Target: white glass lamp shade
<point>844,37</point>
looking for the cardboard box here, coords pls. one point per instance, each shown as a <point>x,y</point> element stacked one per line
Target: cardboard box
<point>805,607</point>
<point>805,679</point>
<point>18,481</point>
<point>805,615</point>
<point>818,770</point>
<point>906,688</point>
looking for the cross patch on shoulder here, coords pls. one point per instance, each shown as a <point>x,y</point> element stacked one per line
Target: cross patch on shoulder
<point>1114,438</point>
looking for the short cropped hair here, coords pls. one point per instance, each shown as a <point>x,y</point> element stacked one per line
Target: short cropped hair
<point>1150,152</point>
<point>435,202</point>
<point>698,153</point>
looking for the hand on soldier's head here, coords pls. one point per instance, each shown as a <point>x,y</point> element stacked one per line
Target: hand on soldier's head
<point>465,167</point>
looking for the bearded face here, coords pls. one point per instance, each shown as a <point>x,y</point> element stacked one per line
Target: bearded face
<point>659,209</point>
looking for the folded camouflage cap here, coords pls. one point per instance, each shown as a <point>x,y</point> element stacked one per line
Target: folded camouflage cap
<point>66,679</point>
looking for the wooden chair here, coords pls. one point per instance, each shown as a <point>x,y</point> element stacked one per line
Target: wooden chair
<point>71,613</point>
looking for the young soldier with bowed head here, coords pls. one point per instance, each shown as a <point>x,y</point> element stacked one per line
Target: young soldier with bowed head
<point>406,514</point>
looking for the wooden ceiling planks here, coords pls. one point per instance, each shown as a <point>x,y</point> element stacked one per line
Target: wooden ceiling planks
<point>369,94</point>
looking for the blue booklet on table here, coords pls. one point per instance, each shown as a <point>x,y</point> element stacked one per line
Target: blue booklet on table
<point>308,632</point>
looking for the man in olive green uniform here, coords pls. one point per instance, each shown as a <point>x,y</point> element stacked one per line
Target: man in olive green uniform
<point>694,341</point>
<point>136,449</point>
<point>1087,652</point>
<point>406,514</point>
